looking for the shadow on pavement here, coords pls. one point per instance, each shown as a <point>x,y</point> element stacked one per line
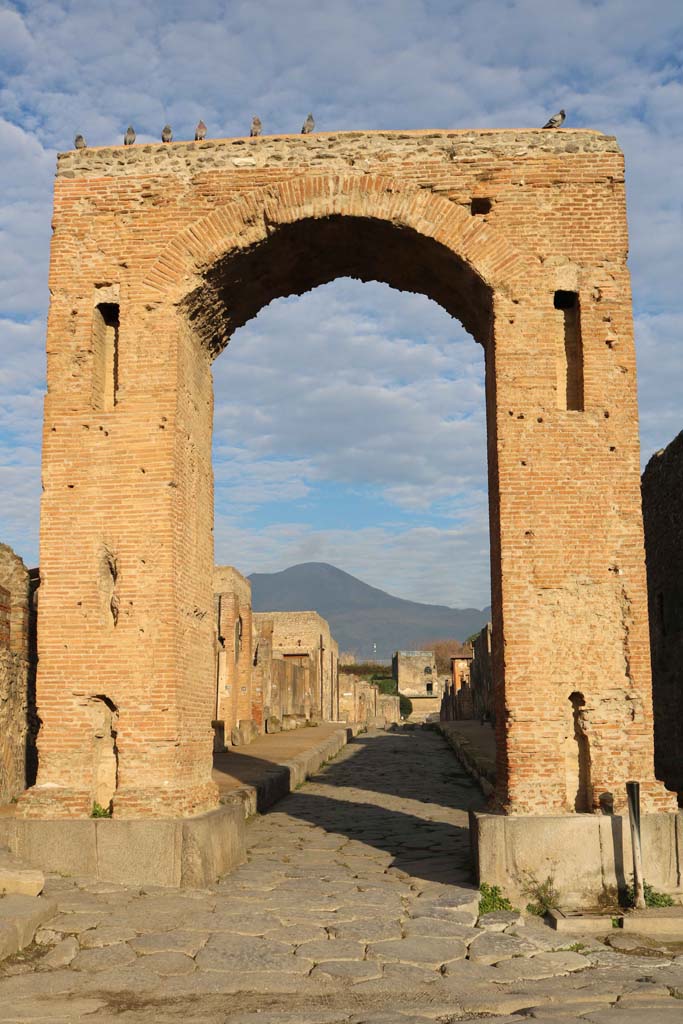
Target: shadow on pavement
<point>419,815</point>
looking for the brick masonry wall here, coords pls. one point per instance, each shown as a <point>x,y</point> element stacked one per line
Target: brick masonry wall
<point>14,673</point>
<point>169,235</point>
<point>663,519</point>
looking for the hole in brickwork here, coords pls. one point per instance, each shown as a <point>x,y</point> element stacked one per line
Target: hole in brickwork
<point>105,344</point>
<point>578,756</point>
<point>105,755</point>
<point>570,364</point>
<point>480,206</point>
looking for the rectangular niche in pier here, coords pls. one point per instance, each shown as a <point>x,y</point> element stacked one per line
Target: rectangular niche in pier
<point>570,367</point>
<point>105,355</point>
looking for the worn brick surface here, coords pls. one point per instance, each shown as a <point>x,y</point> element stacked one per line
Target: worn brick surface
<point>189,241</point>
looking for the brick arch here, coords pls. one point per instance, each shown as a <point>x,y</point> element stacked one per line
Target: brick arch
<point>251,217</point>
<point>134,476</point>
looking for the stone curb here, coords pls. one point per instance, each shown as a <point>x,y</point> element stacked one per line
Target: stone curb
<point>284,777</point>
<point>483,773</point>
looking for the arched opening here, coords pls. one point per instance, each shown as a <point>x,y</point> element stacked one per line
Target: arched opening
<point>243,290</point>
<point>298,257</point>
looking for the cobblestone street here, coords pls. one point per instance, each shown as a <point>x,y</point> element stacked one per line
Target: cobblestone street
<point>356,904</point>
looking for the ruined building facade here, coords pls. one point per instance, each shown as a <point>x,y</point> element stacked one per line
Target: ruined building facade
<point>18,723</point>
<point>363,701</point>
<point>417,678</point>
<point>303,640</point>
<point>239,700</point>
<point>274,670</point>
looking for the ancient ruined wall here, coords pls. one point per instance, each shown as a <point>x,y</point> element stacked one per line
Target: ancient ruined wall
<point>663,520</point>
<point>238,701</point>
<point>14,673</point>
<point>160,252</point>
<point>287,676</point>
<point>262,667</point>
<point>460,671</point>
<point>481,675</point>
<point>362,702</point>
<point>307,633</point>
<point>388,708</point>
<point>416,675</point>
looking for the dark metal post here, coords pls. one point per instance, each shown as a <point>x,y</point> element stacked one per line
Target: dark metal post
<point>633,796</point>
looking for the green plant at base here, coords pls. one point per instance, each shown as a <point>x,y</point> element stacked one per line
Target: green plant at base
<point>98,811</point>
<point>492,899</point>
<point>577,947</point>
<point>543,895</point>
<point>616,922</point>
<point>653,898</point>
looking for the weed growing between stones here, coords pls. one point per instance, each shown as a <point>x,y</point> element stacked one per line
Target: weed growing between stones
<point>98,811</point>
<point>653,898</point>
<point>543,895</point>
<point>492,899</point>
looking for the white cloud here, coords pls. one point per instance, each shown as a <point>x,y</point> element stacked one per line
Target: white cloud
<point>362,387</point>
<point>396,401</point>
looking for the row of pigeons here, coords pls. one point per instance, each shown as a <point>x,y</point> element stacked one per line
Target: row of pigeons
<point>256,129</point>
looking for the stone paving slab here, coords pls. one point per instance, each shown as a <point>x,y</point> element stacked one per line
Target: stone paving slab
<point>20,918</point>
<point>333,919</point>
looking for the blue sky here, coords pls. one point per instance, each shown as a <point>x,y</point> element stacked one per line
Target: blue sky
<point>358,435</point>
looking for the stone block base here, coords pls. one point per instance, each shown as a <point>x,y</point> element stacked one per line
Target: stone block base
<point>17,879</point>
<point>244,733</point>
<point>588,855</point>
<point>658,922</point>
<point>181,852</point>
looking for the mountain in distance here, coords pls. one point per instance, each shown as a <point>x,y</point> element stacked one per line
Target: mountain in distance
<point>360,615</point>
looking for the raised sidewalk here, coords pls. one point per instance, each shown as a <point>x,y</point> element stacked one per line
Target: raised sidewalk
<point>260,774</point>
<point>187,852</point>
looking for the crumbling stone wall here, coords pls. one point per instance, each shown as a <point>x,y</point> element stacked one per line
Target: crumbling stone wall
<point>14,673</point>
<point>663,519</point>
<point>302,635</point>
<point>481,675</point>
<point>363,702</point>
<point>388,708</point>
<point>417,678</point>
<point>289,681</point>
<point>160,252</point>
<point>239,697</point>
